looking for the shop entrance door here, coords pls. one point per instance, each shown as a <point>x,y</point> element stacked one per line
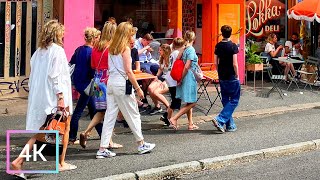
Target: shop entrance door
<point>232,13</point>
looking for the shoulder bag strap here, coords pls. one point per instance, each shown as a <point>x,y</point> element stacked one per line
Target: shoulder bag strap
<point>117,68</point>
<point>101,57</point>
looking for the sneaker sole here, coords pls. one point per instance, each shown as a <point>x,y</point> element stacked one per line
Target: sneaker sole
<point>103,157</point>
<point>215,123</point>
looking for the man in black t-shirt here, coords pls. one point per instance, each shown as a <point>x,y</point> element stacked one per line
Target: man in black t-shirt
<point>226,60</point>
<point>134,56</point>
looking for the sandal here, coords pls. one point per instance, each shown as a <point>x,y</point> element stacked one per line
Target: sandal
<point>174,126</point>
<point>67,167</point>
<point>193,127</point>
<point>115,146</point>
<point>83,140</point>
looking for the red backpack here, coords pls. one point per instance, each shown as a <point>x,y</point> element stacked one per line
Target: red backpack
<point>177,69</point>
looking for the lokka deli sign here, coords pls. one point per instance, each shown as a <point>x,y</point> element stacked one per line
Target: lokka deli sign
<point>259,13</point>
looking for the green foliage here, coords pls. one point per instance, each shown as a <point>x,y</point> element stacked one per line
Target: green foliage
<point>251,56</point>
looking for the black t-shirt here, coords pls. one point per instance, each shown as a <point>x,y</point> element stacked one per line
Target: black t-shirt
<point>134,56</point>
<point>225,52</point>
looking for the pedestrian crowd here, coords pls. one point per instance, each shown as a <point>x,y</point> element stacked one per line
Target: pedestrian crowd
<point>109,59</point>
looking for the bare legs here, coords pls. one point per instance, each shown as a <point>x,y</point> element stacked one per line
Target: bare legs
<point>156,90</point>
<point>187,109</point>
<point>98,118</point>
<point>18,162</point>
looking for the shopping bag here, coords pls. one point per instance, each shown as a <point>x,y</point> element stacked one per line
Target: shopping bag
<point>197,72</point>
<point>100,91</point>
<point>89,89</point>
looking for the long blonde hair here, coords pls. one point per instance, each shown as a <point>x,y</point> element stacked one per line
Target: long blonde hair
<point>121,38</point>
<point>164,59</point>
<point>52,32</point>
<point>108,31</point>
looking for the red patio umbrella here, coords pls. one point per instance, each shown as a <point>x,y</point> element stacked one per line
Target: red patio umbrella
<point>308,10</point>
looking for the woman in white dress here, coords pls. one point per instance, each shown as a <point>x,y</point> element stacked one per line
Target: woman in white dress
<point>49,87</point>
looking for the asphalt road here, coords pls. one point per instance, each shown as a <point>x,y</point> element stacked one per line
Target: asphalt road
<point>183,145</point>
<point>296,167</point>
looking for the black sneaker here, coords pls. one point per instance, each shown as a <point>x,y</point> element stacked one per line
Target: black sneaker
<point>165,120</point>
<point>155,110</point>
<point>144,108</point>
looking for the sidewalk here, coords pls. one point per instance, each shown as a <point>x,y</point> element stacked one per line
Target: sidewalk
<point>250,105</point>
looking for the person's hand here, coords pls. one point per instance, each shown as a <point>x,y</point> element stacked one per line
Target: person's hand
<point>179,83</point>
<point>147,47</point>
<point>280,47</point>
<point>140,93</point>
<point>60,103</point>
<point>150,49</point>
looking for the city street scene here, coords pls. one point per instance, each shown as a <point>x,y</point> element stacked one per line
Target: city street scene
<point>159,90</point>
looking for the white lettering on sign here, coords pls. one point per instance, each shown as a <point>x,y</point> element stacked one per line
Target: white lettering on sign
<point>258,14</point>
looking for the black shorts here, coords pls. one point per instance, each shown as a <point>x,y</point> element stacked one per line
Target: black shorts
<point>175,102</point>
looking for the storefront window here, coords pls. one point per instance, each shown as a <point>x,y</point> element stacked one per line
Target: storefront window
<point>264,17</point>
<point>147,15</point>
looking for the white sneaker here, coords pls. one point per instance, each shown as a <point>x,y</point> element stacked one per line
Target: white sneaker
<point>146,147</point>
<point>105,154</point>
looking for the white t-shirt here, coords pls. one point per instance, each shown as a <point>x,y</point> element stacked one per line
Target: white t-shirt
<point>173,56</point>
<point>269,47</point>
<point>290,45</point>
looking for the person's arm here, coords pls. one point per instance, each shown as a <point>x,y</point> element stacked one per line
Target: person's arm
<point>186,68</point>
<point>216,61</point>
<point>128,69</point>
<point>160,70</point>
<point>235,65</point>
<point>274,53</point>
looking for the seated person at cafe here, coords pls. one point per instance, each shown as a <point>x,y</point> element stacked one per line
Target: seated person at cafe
<point>273,52</point>
<point>293,42</point>
<point>142,45</point>
<point>134,56</point>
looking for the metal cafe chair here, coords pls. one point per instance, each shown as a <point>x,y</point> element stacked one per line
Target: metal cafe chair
<point>275,79</point>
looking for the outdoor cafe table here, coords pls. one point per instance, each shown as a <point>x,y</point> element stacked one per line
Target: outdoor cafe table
<point>293,61</point>
<point>143,76</point>
<point>208,77</point>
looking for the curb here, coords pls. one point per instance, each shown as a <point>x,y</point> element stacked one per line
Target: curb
<point>217,162</point>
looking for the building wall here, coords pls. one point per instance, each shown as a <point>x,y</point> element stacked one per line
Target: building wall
<point>23,24</point>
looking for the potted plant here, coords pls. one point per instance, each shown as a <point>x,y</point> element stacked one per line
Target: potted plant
<point>253,61</point>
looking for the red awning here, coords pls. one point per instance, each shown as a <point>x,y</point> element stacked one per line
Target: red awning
<point>308,10</point>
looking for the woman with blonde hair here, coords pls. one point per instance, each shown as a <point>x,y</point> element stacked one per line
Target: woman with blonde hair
<point>81,77</point>
<point>273,52</point>
<point>49,88</point>
<point>159,86</point>
<point>120,94</point>
<point>187,88</point>
<point>99,62</point>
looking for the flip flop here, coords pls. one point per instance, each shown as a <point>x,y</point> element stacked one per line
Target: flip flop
<point>67,167</point>
<point>193,127</point>
<point>115,146</point>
